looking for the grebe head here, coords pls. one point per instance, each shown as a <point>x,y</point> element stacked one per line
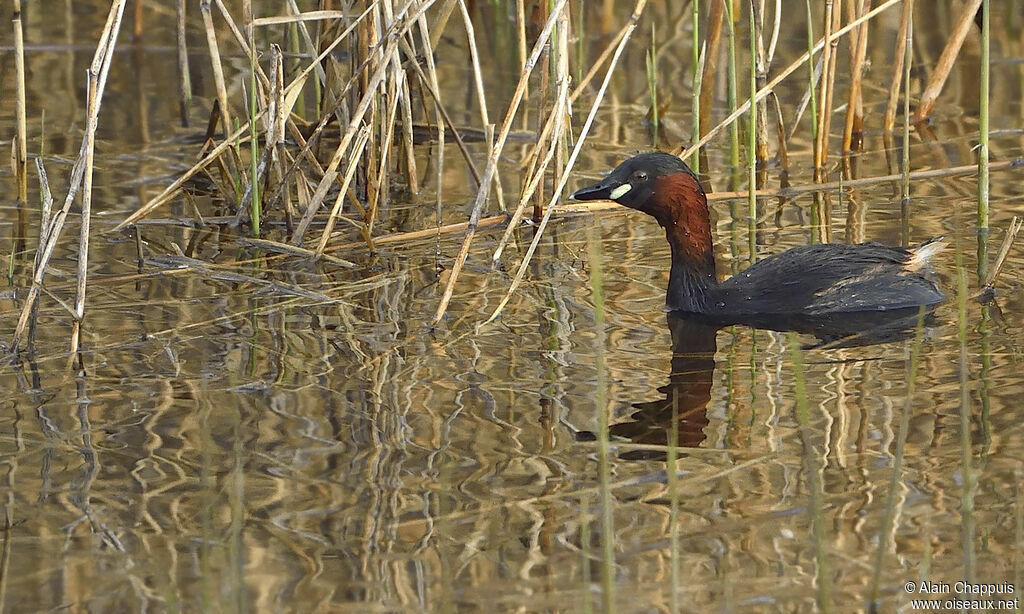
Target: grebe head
<point>656,183</point>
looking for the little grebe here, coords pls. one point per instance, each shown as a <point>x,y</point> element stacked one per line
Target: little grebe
<point>813,280</point>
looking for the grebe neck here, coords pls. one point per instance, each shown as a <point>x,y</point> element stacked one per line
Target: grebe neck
<point>682,209</point>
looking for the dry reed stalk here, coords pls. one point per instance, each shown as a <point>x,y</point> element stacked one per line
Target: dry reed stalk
<point>521,37</point>
<point>564,178</point>
<point>20,150</point>
<point>762,63</point>
<point>412,179</point>
<point>170,191</point>
<point>1004,251</point>
<point>300,17</point>
<point>474,56</point>
<point>492,161</point>
<point>45,225</point>
<point>357,153</point>
<point>430,84</point>
<point>370,216</point>
<point>740,110</point>
<point>601,59</point>
<point>215,63</point>
<point>138,23</point>
<point>412,235</point>
<point>908,52</point>
<point>287,249</point>
<point>97,81</point>
<point>437,28</point>
<point>98,71</point>
<point>707,81</point>
<point>478,81</point>
<point>294,89</point>
<point>780,131</point>
<point>889,123</point>
<point>855,103</point>
<point>752,140</point>
<point>554,126</point>
<point>607,16</point>
<point>824,95</point>
<point>946,60</point>
<point>390,44</point>
<point>184,79</point>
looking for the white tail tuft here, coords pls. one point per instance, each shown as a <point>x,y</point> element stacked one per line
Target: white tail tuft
<point>920,255</point>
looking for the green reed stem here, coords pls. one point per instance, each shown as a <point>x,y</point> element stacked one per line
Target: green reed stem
<point>907,59</point>
<point>913,358</point>
<point>813,466</point>
<point>752,143</point>
<point>810,74</point>
<point>254,147</point>
<point>734,129</point>
<point>587,607</point>
<point>604,449</point>
<point>695,100</point>
<point>970,480</point>
<point>673,510</point>
<point>983,183</point>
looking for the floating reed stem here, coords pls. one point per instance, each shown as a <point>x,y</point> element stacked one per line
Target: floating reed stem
<point>1004,251</point>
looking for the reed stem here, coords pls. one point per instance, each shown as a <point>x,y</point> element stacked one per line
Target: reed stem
<point>695,81</point>
<point>810,80</point>
<point>983,116</point>
<point>752,143</point>
<point>908,51</point>
<point>734,130</point>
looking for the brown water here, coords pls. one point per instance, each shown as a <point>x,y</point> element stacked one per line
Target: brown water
<point>225,446</point>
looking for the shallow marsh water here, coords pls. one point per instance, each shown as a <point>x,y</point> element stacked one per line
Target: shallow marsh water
<point>226,446</point>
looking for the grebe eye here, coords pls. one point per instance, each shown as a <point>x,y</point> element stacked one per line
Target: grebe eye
<point>640,176</point>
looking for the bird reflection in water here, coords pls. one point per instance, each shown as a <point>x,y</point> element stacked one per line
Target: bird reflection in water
<point>688,392</point>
